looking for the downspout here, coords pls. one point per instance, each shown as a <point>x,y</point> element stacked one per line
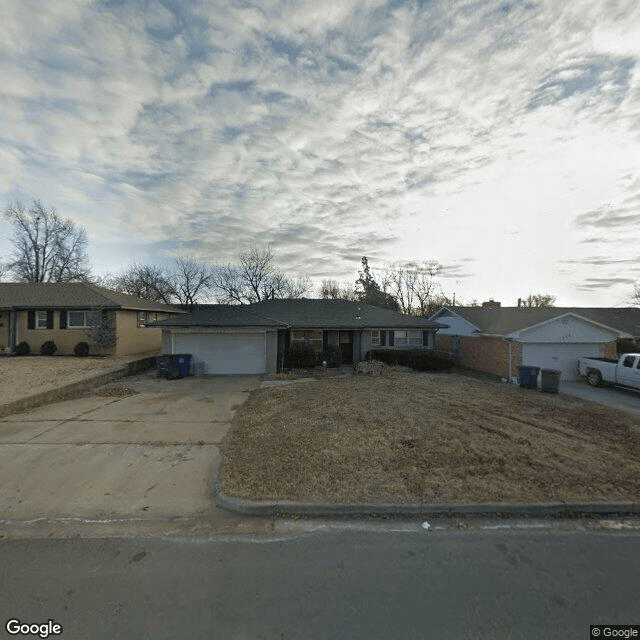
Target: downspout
<point>509,341</point>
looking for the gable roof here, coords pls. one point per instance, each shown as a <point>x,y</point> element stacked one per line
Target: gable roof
<point>507,320</point>
<point>72,295</point>
<point>302,313</point>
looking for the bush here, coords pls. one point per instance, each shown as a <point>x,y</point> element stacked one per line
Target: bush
<point>332,355</point>
<point>300,357</point>
<point>23,349</point>
<point>419,359</point>
<point>81,350</point>
<point>48,348</point>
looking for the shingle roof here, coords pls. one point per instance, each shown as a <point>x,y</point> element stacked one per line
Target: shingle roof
<point>506,320</point>
<point>70,295</point>
<point>220,315</point>
<point>302,313</point>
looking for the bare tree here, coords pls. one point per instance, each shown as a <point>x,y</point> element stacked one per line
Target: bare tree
<point>47,248</point>
<point>149,282</point>
<point>102,327</point>
<point>189,280</point>
<point>333,290</point>
<point>537,300</point>
<point>255,278</point>
<point>184,283</point>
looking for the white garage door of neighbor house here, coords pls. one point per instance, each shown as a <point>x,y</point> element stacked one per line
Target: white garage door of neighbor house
<point>225,352</point>
<point>560,356</point>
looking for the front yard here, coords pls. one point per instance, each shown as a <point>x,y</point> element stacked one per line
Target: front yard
<point>407,437</point>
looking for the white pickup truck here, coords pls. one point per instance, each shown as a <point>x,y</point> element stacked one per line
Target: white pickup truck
<point>599,371</point>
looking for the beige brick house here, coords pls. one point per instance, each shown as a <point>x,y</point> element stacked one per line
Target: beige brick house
<point>69,313</point>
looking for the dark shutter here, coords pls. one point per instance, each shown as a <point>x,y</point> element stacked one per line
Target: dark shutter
<point>425,338</point>
<point>391,336</point>
<point>31,320</point>
<point>49,319</point>
<point>63,319</point>
<point>383,338</point>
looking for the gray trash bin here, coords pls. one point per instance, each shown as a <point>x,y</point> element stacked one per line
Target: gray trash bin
<point>550,380</point>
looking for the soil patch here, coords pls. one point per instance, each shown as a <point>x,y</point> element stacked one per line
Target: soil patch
<point>407,437</point>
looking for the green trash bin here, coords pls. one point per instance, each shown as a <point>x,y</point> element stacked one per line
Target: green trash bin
<point>550,380</point>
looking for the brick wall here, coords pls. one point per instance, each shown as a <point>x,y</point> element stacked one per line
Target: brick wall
<point>489,355</point>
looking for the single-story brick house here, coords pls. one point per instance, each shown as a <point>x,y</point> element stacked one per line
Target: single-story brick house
<point>497,340</point>
<point>66,312</point>
<point>254,338</point>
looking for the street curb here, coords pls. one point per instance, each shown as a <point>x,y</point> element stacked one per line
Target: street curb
<point>286,508</point>
<point>76,388</point>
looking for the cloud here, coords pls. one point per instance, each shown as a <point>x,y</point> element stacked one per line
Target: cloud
<point>331,130</point>
<point>602,77</point>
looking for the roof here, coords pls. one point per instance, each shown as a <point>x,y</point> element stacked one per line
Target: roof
<point>220,315</point>
<point>302,313</point>
<point>506,320</point>
<point>72,295</point>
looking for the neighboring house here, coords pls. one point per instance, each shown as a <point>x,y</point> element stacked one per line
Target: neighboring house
<point>67,313</point>
<point>254,338</point>
<point>497,340</point>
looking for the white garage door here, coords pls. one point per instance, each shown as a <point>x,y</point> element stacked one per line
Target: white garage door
<point>225,352</point>
<point>563,357</point>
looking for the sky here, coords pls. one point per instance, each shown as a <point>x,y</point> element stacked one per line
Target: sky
<point>500,138</point>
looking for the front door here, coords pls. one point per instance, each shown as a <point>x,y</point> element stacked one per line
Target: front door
<point>346,346</point>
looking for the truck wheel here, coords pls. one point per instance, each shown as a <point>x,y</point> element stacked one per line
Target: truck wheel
<point>594,378</point>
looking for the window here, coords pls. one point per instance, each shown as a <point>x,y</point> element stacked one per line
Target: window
<point>307,338</point>
<point>144,317</point>
<point>404,338</point>
<point>41,320</point>
<point>628,361</point>
<point>83,319</point>
<point>400,338</point>
<point>375,338</point>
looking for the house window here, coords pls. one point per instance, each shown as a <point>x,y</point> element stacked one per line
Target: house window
<point>307,338</point>
<point>41,320</point>
<point>375,338</point>
<point>145,317</point>
<point>400,338</point>
<point>82,319</point>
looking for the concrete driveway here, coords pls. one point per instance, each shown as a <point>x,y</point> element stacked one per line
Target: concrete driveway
<point>615,397</point>
<point>96,458</point>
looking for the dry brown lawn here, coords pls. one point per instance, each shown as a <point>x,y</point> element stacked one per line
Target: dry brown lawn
<point>407,437</point>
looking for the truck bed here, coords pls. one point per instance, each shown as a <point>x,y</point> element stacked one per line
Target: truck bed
<point>612,360</point>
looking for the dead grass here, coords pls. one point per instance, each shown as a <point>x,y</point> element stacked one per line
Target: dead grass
<point>431,438</point>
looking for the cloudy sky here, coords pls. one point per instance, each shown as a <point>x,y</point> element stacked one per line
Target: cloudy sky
<point>501,138</point>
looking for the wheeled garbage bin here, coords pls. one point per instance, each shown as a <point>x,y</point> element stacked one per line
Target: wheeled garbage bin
<point>550,380</point>
<point>164,363</point>
<point>528,377</point>
<point>183,360</point>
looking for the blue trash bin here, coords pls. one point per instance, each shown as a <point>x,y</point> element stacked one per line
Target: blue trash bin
<point>528,377</point>
<point>183,360</point>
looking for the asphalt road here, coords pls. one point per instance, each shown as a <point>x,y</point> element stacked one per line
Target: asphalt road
<point>528,583</point>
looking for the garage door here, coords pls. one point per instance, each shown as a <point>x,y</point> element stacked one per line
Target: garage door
<point>563,357</point>
<point>225,352</point>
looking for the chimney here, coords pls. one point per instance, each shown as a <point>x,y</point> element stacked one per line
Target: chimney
<point>491,303</point>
